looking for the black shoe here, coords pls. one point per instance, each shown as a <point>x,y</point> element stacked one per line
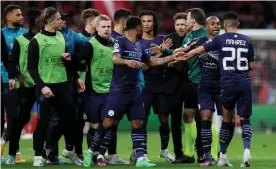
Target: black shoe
<point>184,159</point>
<point>44,154</point>
<point>94,158</point>
<point>52,160</point>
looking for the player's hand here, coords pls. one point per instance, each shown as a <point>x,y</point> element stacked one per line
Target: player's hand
<point>167,44</point>
<point>66,56</point>
<point>133,64</point>
<point>81,85</point>
<point>47,92</point>
<point>21,79</point>
<point>179,56</point>
<point>188,55</point>
<point>145,67</point>
<point>11,84</point>
<point>155,49</point>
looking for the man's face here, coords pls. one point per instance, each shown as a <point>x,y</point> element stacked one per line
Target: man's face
<point>104,28</point>
<point>63,24</point>
<point>147,23</point>
<point>56,22</point>
<point>179,26</point>
<point>15,17</point>
<point>213,26</point>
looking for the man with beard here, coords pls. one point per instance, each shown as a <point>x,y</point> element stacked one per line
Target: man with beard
<point>13,29</point>
<point>196,16</point>
<point>26,89</point>
<point>236,59</point>
<point>176,83</point>
<point>120,17</point>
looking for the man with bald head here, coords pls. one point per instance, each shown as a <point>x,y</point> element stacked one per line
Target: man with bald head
<point>209,92</point>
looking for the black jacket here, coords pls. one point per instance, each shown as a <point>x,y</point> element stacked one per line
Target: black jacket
<point>173,75</point>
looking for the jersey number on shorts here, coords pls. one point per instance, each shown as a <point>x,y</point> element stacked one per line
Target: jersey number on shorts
<point>235,54</point>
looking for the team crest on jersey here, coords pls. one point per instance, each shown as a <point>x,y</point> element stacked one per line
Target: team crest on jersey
<point>111,113</point>
<point>116,46</point>
<point>209,41</point>
<point>148,52</point>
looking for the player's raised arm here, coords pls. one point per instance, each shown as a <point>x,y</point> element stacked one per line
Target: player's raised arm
<point>207,46</point>
<point>117,60</point>
<point>195,52</point>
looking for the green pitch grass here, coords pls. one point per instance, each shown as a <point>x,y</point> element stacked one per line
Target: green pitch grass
<point>263,151</point>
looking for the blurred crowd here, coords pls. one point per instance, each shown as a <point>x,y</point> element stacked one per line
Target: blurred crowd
<point>264,76</point>
<point>253,15</point>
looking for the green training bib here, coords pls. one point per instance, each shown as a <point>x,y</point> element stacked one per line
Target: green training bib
<point>101,66</point>
<point>23,44</point>
<point>51,67</point>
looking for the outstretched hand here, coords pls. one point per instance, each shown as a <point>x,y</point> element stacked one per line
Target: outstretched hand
<point>177,57</point>
<point>180,56</point>
<point>155,49</point>
<point>167,43</point>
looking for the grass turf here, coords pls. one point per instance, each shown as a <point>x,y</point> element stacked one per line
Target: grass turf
<point>263,151</point>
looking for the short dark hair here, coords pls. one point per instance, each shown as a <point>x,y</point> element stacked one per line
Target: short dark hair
<point>232,19</point>
<point>197,14</point>
<point>89,13</point>
<point>121,13</point>
<point>33,16</point>
<point>133,22</point>
<point>10,8</point>
<point>231,15</point>
<point>180,15</point>
<point>48,13</point>
<point>155,21</point>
